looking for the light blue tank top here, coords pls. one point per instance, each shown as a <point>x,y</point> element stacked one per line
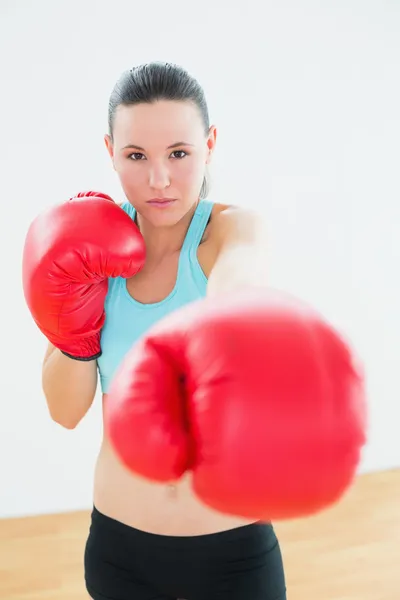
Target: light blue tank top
<point>127,319</point>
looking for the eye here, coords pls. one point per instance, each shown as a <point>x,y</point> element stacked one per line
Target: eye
<point>182,154</point>
<point>136,156</point>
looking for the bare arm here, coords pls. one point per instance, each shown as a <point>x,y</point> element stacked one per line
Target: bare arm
<point>241,258</point>
<point>69,387</point>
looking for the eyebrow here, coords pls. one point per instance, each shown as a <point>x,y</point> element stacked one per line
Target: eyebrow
<point>175,145</point>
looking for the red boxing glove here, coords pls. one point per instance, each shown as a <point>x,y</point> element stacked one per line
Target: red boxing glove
<point>70,252</point>
<point>256,394</point>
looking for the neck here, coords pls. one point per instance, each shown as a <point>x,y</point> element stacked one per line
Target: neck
<point>162,241</point>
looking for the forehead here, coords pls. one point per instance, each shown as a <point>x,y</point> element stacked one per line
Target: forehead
<point>163,122</point>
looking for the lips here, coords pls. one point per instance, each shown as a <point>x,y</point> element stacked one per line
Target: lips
<point>161,202</point>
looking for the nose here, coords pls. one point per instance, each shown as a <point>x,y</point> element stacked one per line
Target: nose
<point>159,178</point>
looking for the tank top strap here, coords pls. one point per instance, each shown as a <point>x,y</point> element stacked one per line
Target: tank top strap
<point>129,209</point>
<point>197,227</point>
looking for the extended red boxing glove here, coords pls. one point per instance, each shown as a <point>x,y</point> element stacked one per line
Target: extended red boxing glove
<point>70,252</point>
<point>256,394</point>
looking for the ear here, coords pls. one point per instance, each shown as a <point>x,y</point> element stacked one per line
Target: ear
<point>211,142</point>
<point>110,147</point>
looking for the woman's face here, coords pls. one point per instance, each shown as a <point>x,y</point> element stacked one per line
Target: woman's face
<point>160,152</point>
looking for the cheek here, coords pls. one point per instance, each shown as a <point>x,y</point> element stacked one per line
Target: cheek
<point>131,177</point>
<point>189,172</point>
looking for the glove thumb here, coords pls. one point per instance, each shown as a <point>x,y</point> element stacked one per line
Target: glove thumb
<point>145,411</point>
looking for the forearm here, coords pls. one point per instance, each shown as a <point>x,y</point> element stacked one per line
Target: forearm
<point>69,387</point>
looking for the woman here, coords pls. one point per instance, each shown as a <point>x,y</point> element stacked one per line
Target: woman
<point>150,541</point>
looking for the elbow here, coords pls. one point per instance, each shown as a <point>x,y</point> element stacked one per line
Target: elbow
<point>65,422</point>
<point>68,424</point>
<point>68,411</point>
<point>66,419</point>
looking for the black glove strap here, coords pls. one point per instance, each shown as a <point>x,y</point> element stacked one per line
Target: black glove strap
<point>82,358</point>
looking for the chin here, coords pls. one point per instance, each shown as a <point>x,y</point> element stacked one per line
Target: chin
<point>166,217</point>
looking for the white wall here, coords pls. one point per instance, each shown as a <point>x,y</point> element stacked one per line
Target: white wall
<point>307,101</point>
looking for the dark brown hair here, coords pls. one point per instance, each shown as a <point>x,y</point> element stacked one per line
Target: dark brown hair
<point>155,81</point>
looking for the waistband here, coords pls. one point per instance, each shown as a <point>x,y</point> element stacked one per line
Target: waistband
<point>253,531</point>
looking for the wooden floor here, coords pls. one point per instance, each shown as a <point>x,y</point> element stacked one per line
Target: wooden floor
<point>351,552</point>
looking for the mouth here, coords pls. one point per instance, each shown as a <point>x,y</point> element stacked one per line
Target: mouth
<point>161,202</point>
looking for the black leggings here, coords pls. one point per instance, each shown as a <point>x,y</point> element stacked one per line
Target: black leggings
<point>123,563</point>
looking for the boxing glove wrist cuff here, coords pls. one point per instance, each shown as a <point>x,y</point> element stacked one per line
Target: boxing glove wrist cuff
<point>84,349</point>
<point>82,358</point>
